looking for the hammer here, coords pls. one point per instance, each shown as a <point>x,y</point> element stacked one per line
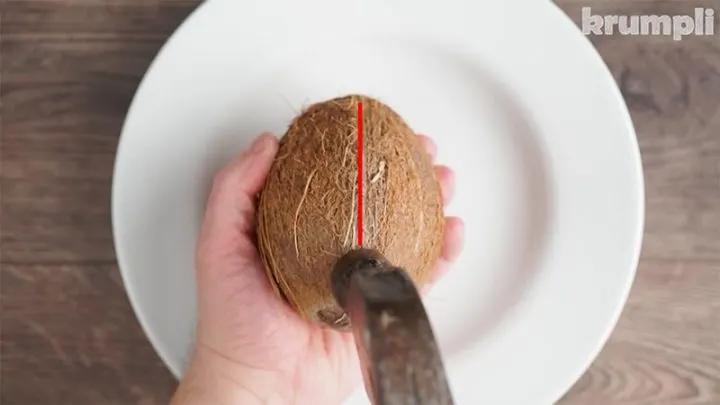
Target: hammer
<point>400,359</point>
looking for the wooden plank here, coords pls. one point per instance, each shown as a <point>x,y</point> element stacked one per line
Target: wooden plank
<point>65,94</point>
<point>69,337</point>
<point>56,221</point>
<point>666,348</point>
<point>69,72</point>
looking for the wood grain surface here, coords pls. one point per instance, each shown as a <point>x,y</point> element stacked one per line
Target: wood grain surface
<point>69,336</point>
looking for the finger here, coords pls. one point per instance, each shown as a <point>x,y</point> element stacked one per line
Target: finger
<point>429,145</point>
<point>247,172</point>
<point>438,272</point>
<point>453,241</point>
<point>446,177</point>
<point>230,209</point>
<point>235,187</point>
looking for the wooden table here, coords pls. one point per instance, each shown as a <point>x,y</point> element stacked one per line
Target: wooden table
<point>69,336</point>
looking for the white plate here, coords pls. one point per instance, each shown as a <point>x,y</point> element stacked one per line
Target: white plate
<point>549,178</point>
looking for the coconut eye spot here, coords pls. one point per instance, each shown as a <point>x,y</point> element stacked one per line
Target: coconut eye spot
<point>332,317</point>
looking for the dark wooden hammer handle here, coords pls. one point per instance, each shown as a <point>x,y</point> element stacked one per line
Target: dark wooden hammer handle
<point>399,356</point>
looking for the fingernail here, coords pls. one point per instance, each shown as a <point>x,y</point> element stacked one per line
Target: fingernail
<point>261,143</point>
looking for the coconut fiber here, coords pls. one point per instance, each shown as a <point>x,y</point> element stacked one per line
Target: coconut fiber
<point>307,214</point>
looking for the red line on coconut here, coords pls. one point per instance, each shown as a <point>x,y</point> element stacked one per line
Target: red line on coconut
<point>360,175</point>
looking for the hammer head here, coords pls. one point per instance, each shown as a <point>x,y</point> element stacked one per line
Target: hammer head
<point>401,361</point>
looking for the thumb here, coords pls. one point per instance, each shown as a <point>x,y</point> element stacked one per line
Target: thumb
<point>231,282</point>
<point>230,212</point>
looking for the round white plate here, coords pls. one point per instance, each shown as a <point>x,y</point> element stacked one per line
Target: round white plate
<point>549,178</point>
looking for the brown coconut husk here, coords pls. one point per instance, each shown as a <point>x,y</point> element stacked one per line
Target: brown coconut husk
<point>307,214</point>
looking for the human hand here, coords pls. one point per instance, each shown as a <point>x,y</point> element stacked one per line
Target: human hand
<point>251,347</point>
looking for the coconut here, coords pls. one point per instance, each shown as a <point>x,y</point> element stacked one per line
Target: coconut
<point>308,209</point>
